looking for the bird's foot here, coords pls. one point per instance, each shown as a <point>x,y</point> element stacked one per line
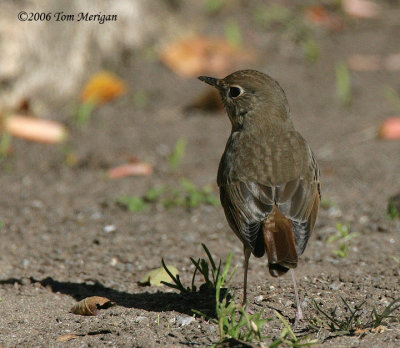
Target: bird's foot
<point>244,302</point>
<point>299,317</point>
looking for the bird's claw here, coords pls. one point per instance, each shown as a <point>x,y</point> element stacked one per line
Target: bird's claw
<point>299,317</point>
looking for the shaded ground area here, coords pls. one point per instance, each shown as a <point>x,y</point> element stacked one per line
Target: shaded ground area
<point>54,249</point>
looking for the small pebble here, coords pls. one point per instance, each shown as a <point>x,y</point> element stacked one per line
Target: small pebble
<point>212,328</point>
<point>183,321</point>
<point>259,298</point>
<point>141,319</point>
<point>288,303</point>
<point>335,286</point>
<point>110,228</point>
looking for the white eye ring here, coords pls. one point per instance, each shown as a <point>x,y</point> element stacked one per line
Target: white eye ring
<point>235,92</point>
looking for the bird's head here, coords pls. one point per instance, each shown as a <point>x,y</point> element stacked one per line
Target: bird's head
<point>250,96</point>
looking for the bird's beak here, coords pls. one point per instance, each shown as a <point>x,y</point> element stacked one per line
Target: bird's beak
<point>210,80</point>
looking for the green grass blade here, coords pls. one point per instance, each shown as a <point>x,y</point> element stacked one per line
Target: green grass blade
<point>287,326</point>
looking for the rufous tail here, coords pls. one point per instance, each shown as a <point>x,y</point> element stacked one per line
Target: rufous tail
<point>280,243</point>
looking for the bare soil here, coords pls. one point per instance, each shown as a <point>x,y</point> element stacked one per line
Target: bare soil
<point>54,249</point>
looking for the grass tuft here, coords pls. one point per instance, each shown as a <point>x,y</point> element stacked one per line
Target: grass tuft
<point>177,154</point>
<point>393,212</point>
<point>232,319</point>
<point>187,196</point>
<point>214,6</point>
<point>352,319</point>
<point>326,204</point>
<point>343,83</point>
<point>289,338</point>
<point>292,25</point>
<point>343,235</point>
<point>233,33</point>
<point>208,269</point>
<point>233,322</point>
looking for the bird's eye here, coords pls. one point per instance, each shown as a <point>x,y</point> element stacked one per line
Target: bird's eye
<point>235,91</point>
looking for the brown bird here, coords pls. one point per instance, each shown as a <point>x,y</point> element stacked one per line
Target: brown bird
<point>268,176</point>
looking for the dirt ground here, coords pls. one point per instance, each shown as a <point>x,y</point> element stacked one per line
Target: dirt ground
<point>55,250</point>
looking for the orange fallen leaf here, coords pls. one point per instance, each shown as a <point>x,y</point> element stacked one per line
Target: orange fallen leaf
<point>319,15</point>
<point>130,169</point>
<point>390,128</point>
<point>91,305</point>
<point>35,129</point>
<point>67,337</point>
<point>102,88</point>
<point>360,331</point>
<point>360,8</point>
<point>192,56</point>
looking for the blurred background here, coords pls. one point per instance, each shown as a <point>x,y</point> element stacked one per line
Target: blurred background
<point>109,144</point>
<point>338,61</point>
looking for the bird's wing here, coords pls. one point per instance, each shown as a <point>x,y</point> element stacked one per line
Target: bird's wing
<point>248,204</point>
<point>298,200</point>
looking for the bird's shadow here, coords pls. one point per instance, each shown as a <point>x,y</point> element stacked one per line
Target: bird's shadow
<point>203,301</point>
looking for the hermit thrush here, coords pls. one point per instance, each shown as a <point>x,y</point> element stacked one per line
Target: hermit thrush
<point>268,176</point>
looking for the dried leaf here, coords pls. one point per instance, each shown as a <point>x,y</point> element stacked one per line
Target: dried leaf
<point>102,88</point>
<point>319,15</point>
<point>360,331</point>
<point>35,129</point>
<point>379,329</point>
<point>67,337</point>
<point>130,169</point>
<point>197,55</point>
<point>156,276</point>
<point>360,8</point>
<point>91,305</point>
<point>390,128</point>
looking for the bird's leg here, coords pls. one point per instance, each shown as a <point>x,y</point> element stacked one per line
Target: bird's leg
<point>247,253</point>
<point>299,312</point>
